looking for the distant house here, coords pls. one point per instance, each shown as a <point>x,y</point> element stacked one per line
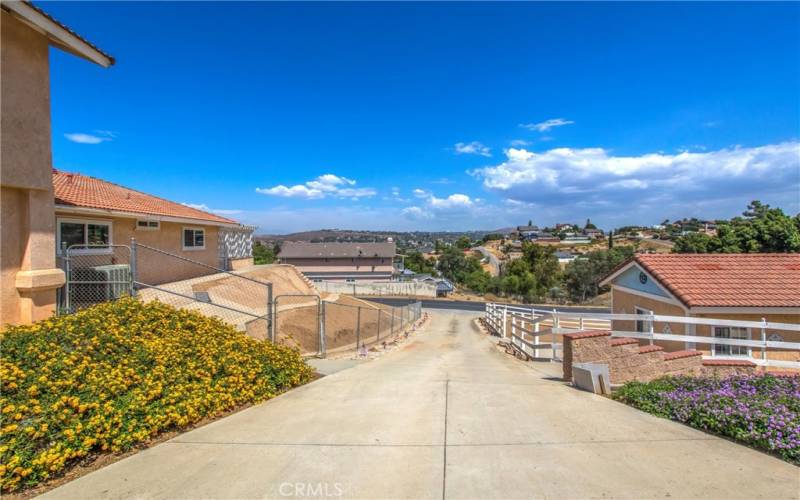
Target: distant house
<point>91,211</point>
<point>527,232</point>
<point>443,285</point>
<point>565,258</point>
<point>724,286</point>
<point>348,262</point>
<point>593,233</point>
<point>30,276</point>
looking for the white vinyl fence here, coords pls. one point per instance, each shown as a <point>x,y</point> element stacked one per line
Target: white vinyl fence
<point>537,332</point>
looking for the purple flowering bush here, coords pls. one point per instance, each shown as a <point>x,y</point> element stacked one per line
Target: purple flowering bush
<point>761,410</point>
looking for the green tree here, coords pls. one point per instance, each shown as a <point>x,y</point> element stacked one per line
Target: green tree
<point>455,266</point>
<point>692,243</point>
<point>478,281</point>
<point>544,266</point>
<point>417,262</point>
<point>582,276</point>
<point>589,225</point>
<point>760,229</point>
<point>463,243</point>
<point>262,254</point>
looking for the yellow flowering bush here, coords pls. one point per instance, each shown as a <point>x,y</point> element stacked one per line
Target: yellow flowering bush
<point>117,374</point>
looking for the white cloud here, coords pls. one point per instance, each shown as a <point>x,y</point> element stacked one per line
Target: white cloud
<point>206,208</point>
<point>456,200</point>
<point>597,180</point>
<point>471,148</point>
<point>96,138</point>
<point>547,124</point>
<point>520,142</point>
<point>456,205</point>
<point>421,193</point>
<point>416,213</point>
<point>321,187</point>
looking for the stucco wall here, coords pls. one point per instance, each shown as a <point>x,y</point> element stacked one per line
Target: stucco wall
<point>624,303</point>
<point>154,268</point>
<point>29,277</point>
<point>781,354</point>
<point>25,118</point>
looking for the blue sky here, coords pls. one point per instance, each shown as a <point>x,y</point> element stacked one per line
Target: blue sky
<point>439,116</point>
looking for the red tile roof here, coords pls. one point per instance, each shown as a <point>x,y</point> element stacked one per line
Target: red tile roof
<point>89,192</point>
<point>728,280</point>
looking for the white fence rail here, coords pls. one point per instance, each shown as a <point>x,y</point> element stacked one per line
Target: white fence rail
<point>409,288</point>
<point>537,332</point>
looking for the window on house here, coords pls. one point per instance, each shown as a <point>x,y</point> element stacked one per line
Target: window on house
<point>147,225</point>
<point>194,238</point>
<point>643,325</point>
<point>731,332</point>
<point>88,235</point>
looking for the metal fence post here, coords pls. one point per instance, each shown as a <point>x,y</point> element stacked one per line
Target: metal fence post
<point>133,267</point>
<point>391,330</point>
<point>380,311</point>
<point>358,329</point>
<point>652,326</point>
<point>322,328</point>
<point>764,340</point>
<point>65,251</point>
<point>270,322</point>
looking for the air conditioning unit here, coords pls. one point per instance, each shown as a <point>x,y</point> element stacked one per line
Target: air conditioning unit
<point>117,278</point>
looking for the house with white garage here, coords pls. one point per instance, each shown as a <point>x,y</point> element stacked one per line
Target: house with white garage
<point>748,287</point>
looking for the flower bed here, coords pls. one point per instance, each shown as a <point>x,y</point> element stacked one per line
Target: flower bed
<point>760,410</point>
<point>115,375</point>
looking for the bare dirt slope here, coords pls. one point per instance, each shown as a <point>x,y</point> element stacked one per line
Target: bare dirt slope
<point>297,312</point>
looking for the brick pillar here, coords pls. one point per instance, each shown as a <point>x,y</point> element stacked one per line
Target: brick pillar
<point>585,347</point>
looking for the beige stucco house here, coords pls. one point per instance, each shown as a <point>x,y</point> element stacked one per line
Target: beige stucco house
<point>91,211</point>
<point>746,287</point>
<point>342,262</point>
<point>29,276</point>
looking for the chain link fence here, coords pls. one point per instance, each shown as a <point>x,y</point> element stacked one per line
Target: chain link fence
<point>99,273</point>
<point>255,323</point>
<point>94,274</point>
<point>355,328</point>
<point>298,322</point>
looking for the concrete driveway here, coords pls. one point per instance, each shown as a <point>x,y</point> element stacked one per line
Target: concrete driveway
<point>446,416</point>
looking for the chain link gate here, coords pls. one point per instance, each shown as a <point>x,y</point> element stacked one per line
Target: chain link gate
<point>95,274</point>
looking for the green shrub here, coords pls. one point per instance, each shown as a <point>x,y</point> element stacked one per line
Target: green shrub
<point>112,376</point>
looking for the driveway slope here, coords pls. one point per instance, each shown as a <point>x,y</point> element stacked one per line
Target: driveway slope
<point>445,416</point>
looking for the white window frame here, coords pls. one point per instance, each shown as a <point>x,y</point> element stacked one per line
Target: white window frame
<point>648,313</point>
<point>714,353</point>
<point>85,222</point>
<point>183,238</point>
<point>148,227</point>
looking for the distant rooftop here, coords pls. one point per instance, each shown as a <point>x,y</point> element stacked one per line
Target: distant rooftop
<point>302,249</point>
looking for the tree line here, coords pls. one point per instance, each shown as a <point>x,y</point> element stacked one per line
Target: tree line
<point>759,229</point>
